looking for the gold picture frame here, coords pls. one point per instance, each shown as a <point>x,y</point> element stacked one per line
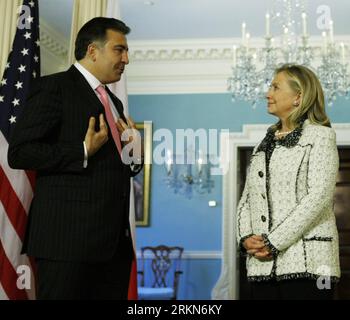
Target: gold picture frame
<point>142,181</point>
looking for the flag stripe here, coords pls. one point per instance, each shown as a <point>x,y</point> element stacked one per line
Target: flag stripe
<point>20,182</point>
<point>12,244</point>
<point>132,292</point>
<point>31,175</point>
<point>12,249</point>
<point>8,277</point>
<point>12,207</point>
<point>3,295</point>
<point>12,228</point>
<point>132,214</point>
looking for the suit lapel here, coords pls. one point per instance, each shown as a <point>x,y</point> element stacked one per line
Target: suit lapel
<point>85,88</point>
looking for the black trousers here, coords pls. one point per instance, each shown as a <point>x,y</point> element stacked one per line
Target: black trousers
<point>65,280</point>
<point>297,289</point>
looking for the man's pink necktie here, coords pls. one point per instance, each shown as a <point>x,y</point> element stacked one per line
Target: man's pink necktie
<point>110,119</point>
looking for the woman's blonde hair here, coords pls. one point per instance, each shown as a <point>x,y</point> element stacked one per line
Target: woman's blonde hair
<point>312,106</point>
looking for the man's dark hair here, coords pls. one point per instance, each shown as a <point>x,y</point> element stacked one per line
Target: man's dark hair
<point>95,30</point>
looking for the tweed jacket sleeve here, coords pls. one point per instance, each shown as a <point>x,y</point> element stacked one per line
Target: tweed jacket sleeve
<point>33,144</point>
<point>243,222</point>
<point>321,179</point>
<point>244,228</point>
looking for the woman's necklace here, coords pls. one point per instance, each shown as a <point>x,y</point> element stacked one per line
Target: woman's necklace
<point>280,133</point>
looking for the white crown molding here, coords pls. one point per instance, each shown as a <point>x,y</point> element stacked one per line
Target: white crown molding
<point>196,255</point>
<point>53,40</point>
<point>54,49</point>
<point>190,65</point>
<point>50,63</point>
<point>179,66</point>
<point>180,49</point>
<point>202,49</point>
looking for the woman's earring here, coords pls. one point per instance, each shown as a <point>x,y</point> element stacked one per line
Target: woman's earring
<point>295,104</point>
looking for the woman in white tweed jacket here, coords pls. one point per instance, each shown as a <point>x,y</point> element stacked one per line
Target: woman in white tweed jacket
<point>285,218</point>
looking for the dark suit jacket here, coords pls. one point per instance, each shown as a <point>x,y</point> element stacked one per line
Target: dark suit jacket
<point>77,214</point>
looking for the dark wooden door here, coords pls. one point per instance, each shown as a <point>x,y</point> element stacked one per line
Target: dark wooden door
<point>342,213</point>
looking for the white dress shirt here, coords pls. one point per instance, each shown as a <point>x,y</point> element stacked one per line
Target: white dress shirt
<point>94,84</point>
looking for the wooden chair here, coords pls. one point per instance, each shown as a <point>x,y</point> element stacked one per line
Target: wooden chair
<point>160,272</point>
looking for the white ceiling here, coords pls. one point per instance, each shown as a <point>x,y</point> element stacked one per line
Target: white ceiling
<point>175,19</point>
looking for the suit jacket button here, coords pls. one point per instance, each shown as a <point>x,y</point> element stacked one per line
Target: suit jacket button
<point>263,218</point>
<point>264,197</point>
<point>261,174</point>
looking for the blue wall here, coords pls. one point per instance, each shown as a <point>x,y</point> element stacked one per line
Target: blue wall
<point>176,220</point>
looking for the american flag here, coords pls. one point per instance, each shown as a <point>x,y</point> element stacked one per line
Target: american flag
<point>120,90</point>
<point>16,186</point>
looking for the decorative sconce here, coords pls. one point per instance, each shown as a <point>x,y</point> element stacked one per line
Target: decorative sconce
<point>185,174</point>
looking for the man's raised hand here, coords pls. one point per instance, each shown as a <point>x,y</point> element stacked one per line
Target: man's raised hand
<point>94,140</point>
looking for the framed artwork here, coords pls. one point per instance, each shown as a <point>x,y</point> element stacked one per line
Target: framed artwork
<point>142,182</point>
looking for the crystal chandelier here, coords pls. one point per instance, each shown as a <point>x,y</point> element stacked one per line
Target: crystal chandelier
<point>253,68</point>
<point>188,174</point>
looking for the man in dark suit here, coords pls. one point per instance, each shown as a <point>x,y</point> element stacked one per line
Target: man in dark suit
<point>78,228</point>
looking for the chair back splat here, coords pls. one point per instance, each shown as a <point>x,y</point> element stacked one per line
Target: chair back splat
<point>160,272</point>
